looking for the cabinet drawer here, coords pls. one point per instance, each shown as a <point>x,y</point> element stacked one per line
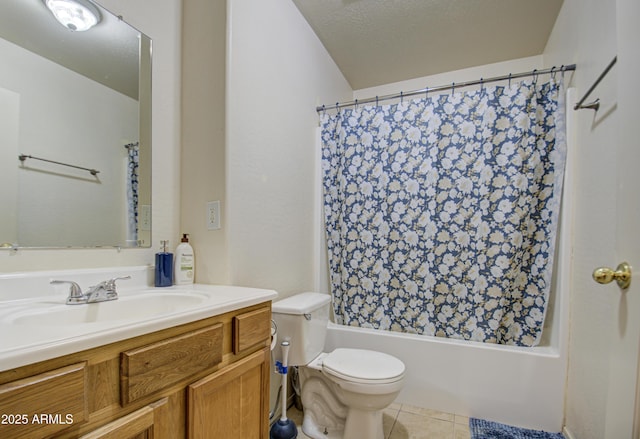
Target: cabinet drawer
<point>159,365</point>
<point>251,329</point>
<point>44,404</point>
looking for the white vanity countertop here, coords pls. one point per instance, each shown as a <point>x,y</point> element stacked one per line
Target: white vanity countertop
<point>35,328</point>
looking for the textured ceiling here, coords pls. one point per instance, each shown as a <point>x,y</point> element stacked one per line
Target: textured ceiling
<point>377,42</point>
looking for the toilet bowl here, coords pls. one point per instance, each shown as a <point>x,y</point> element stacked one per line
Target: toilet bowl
<point>345,391</point>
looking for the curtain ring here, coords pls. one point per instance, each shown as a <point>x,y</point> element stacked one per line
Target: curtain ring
<point>338,107</point>
<point>553,74</point>
<point>509,79</point>
<point>562,70</point>
<point>401,97</point>
<point>481,84</point>
<point>426,92</point>
<point>356,106</point>
<point>376,101</point>
<point>535,77</point>
<point>324,110</point>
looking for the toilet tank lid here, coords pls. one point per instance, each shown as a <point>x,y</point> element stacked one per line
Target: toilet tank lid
<point>302,303</point>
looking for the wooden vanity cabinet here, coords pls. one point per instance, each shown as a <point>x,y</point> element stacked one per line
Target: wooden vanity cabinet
<point>205,379</point>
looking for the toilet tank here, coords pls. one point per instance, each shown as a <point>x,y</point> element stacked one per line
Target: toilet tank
<point>302,320</point>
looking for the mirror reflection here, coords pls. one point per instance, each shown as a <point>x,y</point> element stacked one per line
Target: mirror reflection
<point>75,130</point>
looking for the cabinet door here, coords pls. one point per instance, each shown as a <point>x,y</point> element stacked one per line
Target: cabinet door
<point>232,402</point>
<point>144,423</point>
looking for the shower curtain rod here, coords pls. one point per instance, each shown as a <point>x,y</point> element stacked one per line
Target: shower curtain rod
<point>452,86</point>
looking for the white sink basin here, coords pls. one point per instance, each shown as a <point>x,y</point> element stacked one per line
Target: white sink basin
<point>135,307</point>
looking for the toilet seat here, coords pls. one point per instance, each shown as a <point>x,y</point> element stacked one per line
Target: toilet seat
<point>363,366</point>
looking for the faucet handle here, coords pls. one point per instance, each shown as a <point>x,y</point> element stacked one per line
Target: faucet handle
<point>105,290</point>
<point>75,292</point>
<point>110,285</point>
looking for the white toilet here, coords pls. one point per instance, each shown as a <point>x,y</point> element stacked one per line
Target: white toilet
<point>345,391</point>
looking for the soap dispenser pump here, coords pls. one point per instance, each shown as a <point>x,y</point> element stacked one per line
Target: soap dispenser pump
<point>164,266</point>
<point>185,262</point>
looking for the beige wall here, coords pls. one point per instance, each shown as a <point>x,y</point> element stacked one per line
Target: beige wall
<point>9,135</point>
<point>203,134</point>
<point>278,71</point>
<point>161,21</point>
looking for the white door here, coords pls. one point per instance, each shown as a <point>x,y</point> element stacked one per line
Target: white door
<point>625,324</point>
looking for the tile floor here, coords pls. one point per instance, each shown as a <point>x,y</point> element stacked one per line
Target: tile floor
<point>403,421</point>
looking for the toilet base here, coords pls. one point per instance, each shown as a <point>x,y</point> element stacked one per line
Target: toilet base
<point>324,413</point>
<point>359,424</point>
<point>314,432</point>
<point>326,416</point>
<point>363,423</point>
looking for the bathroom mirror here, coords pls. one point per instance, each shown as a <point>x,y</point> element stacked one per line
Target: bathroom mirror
<point>75,131</point>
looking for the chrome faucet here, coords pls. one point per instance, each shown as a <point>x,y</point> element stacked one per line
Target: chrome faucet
<point>101,292</point>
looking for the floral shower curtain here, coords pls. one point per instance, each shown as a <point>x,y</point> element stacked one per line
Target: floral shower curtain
<point>132,191</point>
<point>441,213</point>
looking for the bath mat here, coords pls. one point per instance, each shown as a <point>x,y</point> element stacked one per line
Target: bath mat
<point>481,429</point>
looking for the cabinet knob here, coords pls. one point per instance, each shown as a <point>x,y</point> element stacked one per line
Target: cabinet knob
<point>622,275</point>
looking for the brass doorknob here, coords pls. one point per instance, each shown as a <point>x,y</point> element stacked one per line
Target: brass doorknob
<point>622,275</point>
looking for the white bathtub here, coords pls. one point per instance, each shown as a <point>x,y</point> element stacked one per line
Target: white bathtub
<point>516,386</point>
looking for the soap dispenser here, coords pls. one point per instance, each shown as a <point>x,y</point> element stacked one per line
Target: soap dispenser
<point>164,267</point>
<point>185,263</point>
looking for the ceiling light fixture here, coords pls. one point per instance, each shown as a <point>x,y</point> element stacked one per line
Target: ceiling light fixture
<point>77,15</point>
